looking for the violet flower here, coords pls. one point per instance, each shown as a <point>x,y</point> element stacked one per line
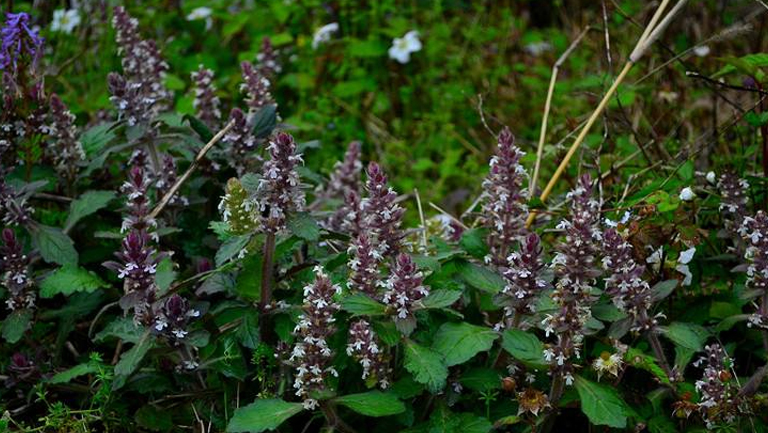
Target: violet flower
<point>129,99</point>
<point>137,267</point>
<point>504,208</point>
<point>733,201</point>
<point>136,190</point>
<point>344,180</point>
<point>364,266</point>
<point>14,266</point>
<point>67,151</point>
<point>575,266</point>
<point>754,230</point>
<point>142,62</point>
<point>166,178</point>
<point>279,192</point>
<point>311,355</point>
<point>267,59</point>
<point>256,88</point>
<point>718,388</point>
<point>240,143</point>
<point>523,274</point>
<point>626,287</point>
<point>206,102</point>
<point>404,288</point>
<point>382,216</point>
<point>13,208</point>
<point>19,40</point>
<point>172,319</point>
<point>364,347</point>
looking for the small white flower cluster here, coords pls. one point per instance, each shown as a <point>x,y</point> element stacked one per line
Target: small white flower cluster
<point>311,354</point>
<point>323,34</point>
<point>754,230</point>
<point>279,190</point>
<point>364,348</point>
<point>65,20</point>
<point>364,266</point>
<point>718,388</point>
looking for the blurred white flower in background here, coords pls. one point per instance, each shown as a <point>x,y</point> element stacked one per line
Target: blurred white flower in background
<point>323,34</point>
<point>701,50</point>
<point>402,48</point>
<point>687,194</point>
<point>711,177</point>
<point>202,13</point>
<point>65,20</point>
<point>537,48</point>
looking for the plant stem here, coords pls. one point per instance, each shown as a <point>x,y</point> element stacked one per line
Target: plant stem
<point>266,283</point>
<point>658,350</point>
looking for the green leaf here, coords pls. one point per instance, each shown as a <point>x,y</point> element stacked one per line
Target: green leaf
<point>426,365</point>
<point>264,121</point>
<point>372,403</point>
<point>248,331</point>
<point>87,204</point>
<point>76,371</point>
<point>97,137</point>
<point>686,335</point>
<point>601,404</point>
<point>441,298</point>
<point>262,415</point>
<point>123,328</point>
<point>304,226</point>
<point>154,418</point>
<point>473,242</point>
<point>248,283</point>
<point>459,342</point>
<point>230,248</point>
<point>481,379</point>
<point>524,346</point>
<point>362,305</point>
<point>131,360</point>
<point>663,289</point>
<point>54,245</point>
<point>16,324</point>
<point>164,275</point>
<point>68,280</point>
<point>481,278</point>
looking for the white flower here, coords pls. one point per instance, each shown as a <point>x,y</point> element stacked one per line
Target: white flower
<point>65,20</point>
<point>655,258</point>
<point>200,13</point>
<point>686,271</point>
<point>402,48</point>
<point>686,256</point>
<point>701,50</point>
<point>537,48</point>
<point>711,178</point>
<point>323,34</point>
<point>687,194</point>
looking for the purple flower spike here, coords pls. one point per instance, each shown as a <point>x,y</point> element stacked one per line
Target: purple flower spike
<point>256,88</point>
<point>365,348</point>
<point>524,282</point>
<point>345,180</point>
<point>504,197</point>
<point>19,40</point>
<point>381,215</point>
<point>14,268</point>
<point>206,102</point>
<point>173,318</point>
<point>267,59</point>
<point>67,152</point>
<point>364,266</point>
<point>404,287</point>
<point>280,192</point>
<point>240,143</point>
<point>311,355</point>
<point>754,230</point>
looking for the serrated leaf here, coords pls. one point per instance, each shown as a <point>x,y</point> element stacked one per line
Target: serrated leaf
<point>441,298</point>
<point>264,121</point>
<point>372,403</point>
<point>460,342</point>
<point>123,328</point>
<point>248,331</point>
<point>481,278</point>
<point>131,359</point>
<point>88,203</point>
<point>76,371</point>
<point>68,280</point>
<point>687,335</point>
<point>304,226</point>
<point>54,245</point>
<point>426,365</point>
<point>16,324</point>
<point>524,347</point>
<point>473,242</point>
<point>362,305</point>
<point>601,404</point>
<point>97,137</point>
<point>230,248</point>
<point>663,289</point>
<point>262,415</point>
